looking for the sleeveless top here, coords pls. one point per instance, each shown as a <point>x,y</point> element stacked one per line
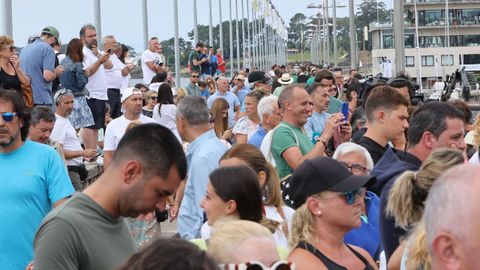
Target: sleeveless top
<point>331,265</point>
<point>8,81</point>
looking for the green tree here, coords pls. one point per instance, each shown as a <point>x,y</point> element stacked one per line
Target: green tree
<point>368,12</point>
<point>297,26</point>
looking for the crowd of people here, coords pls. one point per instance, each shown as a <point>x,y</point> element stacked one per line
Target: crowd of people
<point>298,167</point>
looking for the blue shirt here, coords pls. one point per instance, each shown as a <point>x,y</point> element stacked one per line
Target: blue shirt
<point>316,123</point>
<point>203,155</point>
<point>232,100</point>
<point>241,93</point>
<point>205,93</point>
<point>37,57</point>
<point>33,178</point>
<point>367,236</point>
<point>257,137</point>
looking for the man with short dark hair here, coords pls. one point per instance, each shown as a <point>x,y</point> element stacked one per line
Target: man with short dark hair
<point>433,125</point>
<point>38,61</point>
<point>192,87</point>
<point>152,61</point>
<point>42,122</point>
<point>34,180</point>
<point>387,119</point>
<point>89,232</point>
<point>203,154</point>
<point>194,58</point>
<point>326,78</point>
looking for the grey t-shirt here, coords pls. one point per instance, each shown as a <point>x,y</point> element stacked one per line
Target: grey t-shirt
<point>81,235</point>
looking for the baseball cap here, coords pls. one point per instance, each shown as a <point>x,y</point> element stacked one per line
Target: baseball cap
<point>51,31</point>
<point>257,76</point>
<point>130,92</point>
<point>321,174</point>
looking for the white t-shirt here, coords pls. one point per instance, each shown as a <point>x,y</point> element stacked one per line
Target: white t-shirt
<point>64,133</point>
<point>114,75</point>
<point>116,129</point>
<point>167,118</point>
<point>149,56</point>
<point>97,83</point>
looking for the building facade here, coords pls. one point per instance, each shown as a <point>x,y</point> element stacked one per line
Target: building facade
<point>446,40</point>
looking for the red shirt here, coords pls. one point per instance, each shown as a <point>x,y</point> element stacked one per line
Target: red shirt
<point>221,64</point>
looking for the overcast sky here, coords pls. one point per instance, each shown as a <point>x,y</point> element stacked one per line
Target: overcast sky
<point>122,18</point>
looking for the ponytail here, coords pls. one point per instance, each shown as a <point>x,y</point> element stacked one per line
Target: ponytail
<point>402,203</point>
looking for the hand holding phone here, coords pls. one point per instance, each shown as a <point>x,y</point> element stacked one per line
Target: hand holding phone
<point>345,110</point>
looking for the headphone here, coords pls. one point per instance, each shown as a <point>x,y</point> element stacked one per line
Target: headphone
<point>412,87</point>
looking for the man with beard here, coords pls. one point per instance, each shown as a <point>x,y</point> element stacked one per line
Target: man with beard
<point>34,180</point>
<point>94,64</point>
<point>64,133</point>
<point>89,232</point>
<point>132,111</point>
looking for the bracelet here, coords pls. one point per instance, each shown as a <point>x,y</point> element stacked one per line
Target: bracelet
<point>324,143</point>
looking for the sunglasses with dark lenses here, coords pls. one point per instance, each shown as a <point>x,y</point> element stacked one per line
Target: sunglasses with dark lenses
<point>153,97</point>
<point>8,116</point>
<point>12,48</point>
<point>280,265</point>
<point>350,196</point>
<point>194,76</point>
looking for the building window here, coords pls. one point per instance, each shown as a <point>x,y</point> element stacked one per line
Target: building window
<point>409,61</point>
<point>447,60</point>
<point>387,41</point>
<point>427,61</point>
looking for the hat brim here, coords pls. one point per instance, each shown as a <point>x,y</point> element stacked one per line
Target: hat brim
<point>353,182</point>
<point>285,82</point>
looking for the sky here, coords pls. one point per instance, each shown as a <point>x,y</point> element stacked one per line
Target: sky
<point>123,18</point>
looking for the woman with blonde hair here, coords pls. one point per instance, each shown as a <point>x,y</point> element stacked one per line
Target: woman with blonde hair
<point>407,197</point>
<point>328,201</point>
<point>275,210</point>
<point>150,98</point>
<point>240,244</point>
<point>179,93</point>
<point>219,113</point>
<point>11,76</point>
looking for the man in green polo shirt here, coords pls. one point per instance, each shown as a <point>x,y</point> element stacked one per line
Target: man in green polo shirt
<point>290,145</point>
<point>193,58</point>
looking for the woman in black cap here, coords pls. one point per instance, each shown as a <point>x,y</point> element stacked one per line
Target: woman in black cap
<point>327,198</point>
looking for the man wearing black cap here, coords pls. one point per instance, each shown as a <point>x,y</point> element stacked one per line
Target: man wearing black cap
<point>258,81</point>
<point>38,61</point>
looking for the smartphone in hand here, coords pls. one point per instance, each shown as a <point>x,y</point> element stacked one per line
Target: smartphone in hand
<point>345,110</point>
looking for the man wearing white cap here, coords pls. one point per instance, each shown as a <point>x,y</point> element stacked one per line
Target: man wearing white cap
<point>240,89</point>
<point>284,81</point>
<point>132,111</point>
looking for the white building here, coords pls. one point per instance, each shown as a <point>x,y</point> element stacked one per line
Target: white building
<point>438,55</point>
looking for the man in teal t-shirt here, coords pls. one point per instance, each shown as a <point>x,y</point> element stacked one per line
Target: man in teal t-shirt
<point>34,180</point>
<point>290,146</point>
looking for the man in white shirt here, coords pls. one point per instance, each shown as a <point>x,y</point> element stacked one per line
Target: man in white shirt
<point>95,65</point>
<point>64,133</point>
<point>132,112</point>
<point>114,76</point>
<point>152,61</point>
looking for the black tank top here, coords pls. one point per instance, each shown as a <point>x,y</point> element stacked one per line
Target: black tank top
<point>8,81</point>
<point>331,265</point>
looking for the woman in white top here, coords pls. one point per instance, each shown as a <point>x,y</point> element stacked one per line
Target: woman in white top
<point>165,110</point>
<point>278,216</point>
<point>247,125</point>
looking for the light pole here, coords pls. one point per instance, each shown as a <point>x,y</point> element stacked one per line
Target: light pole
<point>243,35</point>
<point>176,44</point>
<point>145,23</point>
<point>98,21</point>
<point>249,41</point>
<point>399,32</point>
<point>237,35</point>
<point>353,35</point>
<point>220,24</point>
<point>195,26</point>
<point>231,39</point>
<point>210,27</point>
<point>7,18</point>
